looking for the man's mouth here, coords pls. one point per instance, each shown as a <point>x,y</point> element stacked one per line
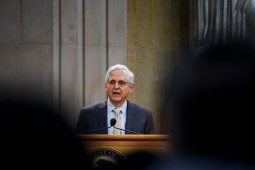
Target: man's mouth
<point>116,93</point>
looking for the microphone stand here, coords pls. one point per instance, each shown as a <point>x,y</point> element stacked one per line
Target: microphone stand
<point>94,130</point>
<point>128,131</point>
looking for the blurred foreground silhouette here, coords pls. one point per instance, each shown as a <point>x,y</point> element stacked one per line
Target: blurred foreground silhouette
<point>212,108</point>
<point>34,137</point>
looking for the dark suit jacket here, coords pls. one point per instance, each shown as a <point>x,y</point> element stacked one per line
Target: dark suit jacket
<point>94,117</point>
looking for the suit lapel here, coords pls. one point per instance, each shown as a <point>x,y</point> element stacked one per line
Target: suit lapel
<point>102,116</point>
<point>130,116</point>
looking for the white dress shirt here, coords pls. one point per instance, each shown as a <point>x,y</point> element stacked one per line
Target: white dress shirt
<point>111,114</point>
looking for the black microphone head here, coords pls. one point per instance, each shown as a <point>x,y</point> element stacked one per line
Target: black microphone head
<point>113,121</point>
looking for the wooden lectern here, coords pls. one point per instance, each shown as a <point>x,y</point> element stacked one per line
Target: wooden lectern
<point>116,147</point>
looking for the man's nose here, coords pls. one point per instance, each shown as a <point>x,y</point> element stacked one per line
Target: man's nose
<point>116,85</point>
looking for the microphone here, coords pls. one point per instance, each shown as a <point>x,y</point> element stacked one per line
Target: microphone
<point>113,122</point>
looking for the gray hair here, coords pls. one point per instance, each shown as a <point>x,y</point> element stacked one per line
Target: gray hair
<point>126,71</point>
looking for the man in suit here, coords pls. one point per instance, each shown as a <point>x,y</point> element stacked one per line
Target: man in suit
<point>95,119</point>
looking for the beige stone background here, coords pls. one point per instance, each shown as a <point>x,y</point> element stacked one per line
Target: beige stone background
<point>59,50</point>
<point>157,37</point>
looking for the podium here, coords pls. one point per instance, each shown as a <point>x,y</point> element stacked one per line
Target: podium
<point>113,148</point>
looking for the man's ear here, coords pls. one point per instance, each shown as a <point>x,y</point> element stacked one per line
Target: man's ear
<point>105,86</point>
<point>132,86</point>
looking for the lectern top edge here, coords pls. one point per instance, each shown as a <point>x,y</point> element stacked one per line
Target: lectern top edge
<point>103,137</point>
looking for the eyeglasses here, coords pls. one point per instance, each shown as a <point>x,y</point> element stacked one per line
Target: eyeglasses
<point>121,83</point>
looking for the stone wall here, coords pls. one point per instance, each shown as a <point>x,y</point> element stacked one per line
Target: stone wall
<point>157,31</point>
<point>60,49</point>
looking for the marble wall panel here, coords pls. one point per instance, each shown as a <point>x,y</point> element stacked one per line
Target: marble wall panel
<point>154,46</point>
<point>95,23</point>
<point>95,68</point>
<point>117,55</point>
<point>10,14</point>
<point>68,22</point>
<point>27,70</point>
<point>117,23</point>
<point>69,91</point>
<point>37,21</point>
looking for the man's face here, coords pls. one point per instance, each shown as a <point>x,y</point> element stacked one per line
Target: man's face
<point>117,87</point>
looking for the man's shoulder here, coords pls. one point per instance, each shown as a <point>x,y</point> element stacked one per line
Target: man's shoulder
<point>94,106</point>
<point>137,107</point>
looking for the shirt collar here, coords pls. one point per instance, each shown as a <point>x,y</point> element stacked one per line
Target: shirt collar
<point>110,107</point>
